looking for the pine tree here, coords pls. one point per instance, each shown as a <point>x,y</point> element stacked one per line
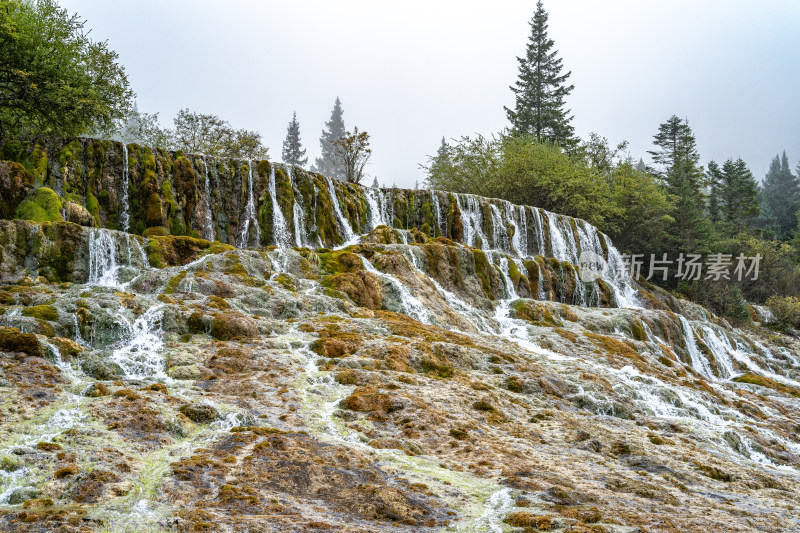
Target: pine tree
<point>375,184</point>
<point>733,195</point>
<point>683,178</point>
<point>293,151</point>
<point>780,198</point>
<point>328,164</point>
<point>541,88</point>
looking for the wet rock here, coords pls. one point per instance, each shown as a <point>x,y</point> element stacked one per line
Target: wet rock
<point>185,372</point>
<point>558,496</point>
<point>101,369</point>
<point>22,494</point>
<point>200,413</point>
<point>77,214</point>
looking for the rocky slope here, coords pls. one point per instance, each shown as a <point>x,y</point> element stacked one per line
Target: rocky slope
<point>457,376</point>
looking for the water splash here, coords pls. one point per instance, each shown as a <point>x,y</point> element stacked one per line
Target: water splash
<point>140,355</point>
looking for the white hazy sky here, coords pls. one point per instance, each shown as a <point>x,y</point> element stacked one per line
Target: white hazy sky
<point>411,72</point>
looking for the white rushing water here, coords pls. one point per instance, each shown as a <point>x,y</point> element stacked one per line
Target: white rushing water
<point>125,217</point>
<point>140,355</point>
<point>298,213</point>
<point>341,220</point>
<point>249,216</point>
<point>208,231</point>
<point>103,264</point>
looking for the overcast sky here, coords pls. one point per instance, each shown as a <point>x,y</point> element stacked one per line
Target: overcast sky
<point>411,72</point>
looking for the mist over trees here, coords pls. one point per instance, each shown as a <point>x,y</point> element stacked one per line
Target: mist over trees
<point>328,163</point>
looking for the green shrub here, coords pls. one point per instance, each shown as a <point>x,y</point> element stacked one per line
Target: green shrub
<point>786,310</point>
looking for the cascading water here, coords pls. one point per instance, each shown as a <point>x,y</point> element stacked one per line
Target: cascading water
<point>344,224</point>
<point>103,267</point>
<point>299,214</point>
<point>140,354</point>
<point>124,217</point>
<point>208,231</point>
<point>249,215</point>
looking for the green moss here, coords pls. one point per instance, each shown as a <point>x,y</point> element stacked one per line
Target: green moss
<point>286,282</point>
<point>483,269</point>
<point>43,312</point>
<point>172,284</point>
<point>11,340</point>
<point>761,381</point>
<point>41,205</point>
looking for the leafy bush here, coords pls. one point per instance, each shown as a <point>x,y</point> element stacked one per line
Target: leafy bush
<point>786,310</point>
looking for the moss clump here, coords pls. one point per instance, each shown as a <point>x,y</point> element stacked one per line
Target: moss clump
<point>42,312</point>
<point>48,446</point>
<point>230,326</point>
<point>515,384</point>
<point>41,205</point>
<point>519,519</point>
<point>11,340</point>
<point>364,288</point>
<point>174,281</point>
<point>761,381</point>
<point>367,399</point>
<point>66,471</point>
<point>483,405</point>
<point>459,434</point>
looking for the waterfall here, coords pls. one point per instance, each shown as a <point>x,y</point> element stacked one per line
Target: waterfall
<point>140,355</point>
<point>499,232</point>
<point>347,230</point>
<point>410,304</point>
<point>102,259</point>
<point>298,213</point>
<point>250,210</point>
<point>280,233</point>
<point>209,229</point>
<point>124,217</point>
<point>376,217</point>
<point>539,225</point>
<point>511,290</point>
<point>699,362</point>
<point>560,249</point>
<point>472,220</point>
<point>439,224</point>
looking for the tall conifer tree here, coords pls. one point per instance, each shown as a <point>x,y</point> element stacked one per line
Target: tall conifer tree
<point>540,90</point>
<point>328,164</point>
<point>733,195</point>
<point>293,151</point>
<point>780,198</point>
<point>683,178</point>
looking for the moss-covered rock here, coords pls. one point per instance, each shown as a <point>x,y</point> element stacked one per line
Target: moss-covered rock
<point>230,326</point>
<point>40,205</point>
<point>15,183</point>
<point>42,312</point>
<point>78,214</point>
<point>11,340</point>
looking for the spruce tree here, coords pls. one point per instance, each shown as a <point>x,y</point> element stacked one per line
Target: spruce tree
<point>293,152</point>
<point>733,195</point>
<point>540,90</point>
<point>683,178</point>
<point>328,163</point>
<point>780,198</point>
